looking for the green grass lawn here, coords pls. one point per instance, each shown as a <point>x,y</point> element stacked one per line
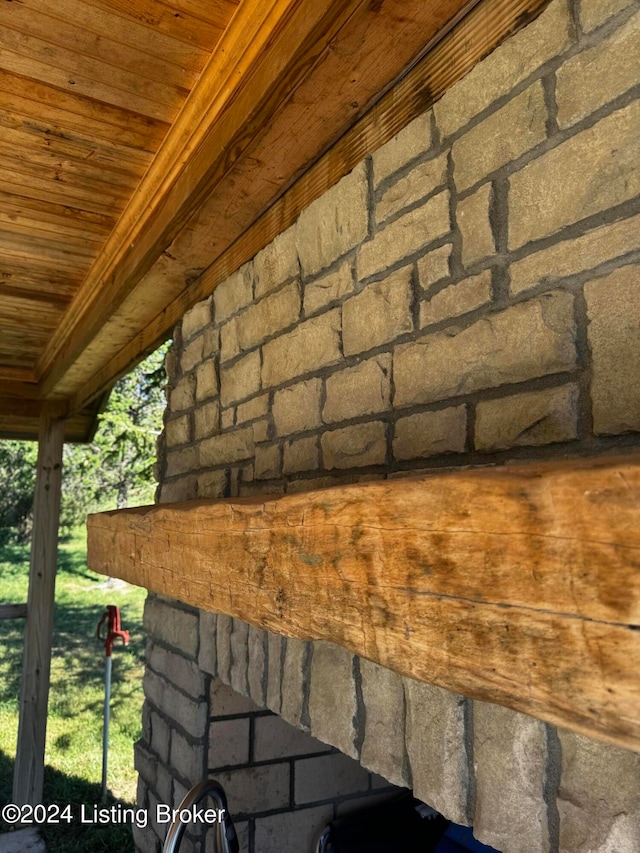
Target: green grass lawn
<point>74,730</point>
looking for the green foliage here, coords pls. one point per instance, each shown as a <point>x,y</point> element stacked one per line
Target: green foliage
<point>112,471</point>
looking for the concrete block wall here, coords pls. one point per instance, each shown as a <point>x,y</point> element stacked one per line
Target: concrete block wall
<point>468,294</point>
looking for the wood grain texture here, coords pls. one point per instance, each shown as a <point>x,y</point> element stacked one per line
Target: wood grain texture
<point>517,585</point>
<point>13,611</point>
<point>34,687</point>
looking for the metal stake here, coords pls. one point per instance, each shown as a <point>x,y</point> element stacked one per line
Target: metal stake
<point>112,617</point>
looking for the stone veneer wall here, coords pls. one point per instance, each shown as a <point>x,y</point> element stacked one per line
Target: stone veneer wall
<point>468,294</point>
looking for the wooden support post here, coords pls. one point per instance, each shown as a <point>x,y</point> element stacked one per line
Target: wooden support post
<point>34,691</point>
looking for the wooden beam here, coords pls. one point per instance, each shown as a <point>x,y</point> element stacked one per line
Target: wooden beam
<point>13,611</point>
<point>250,209</point>
<point>517,585</point>
<point>34,689</point>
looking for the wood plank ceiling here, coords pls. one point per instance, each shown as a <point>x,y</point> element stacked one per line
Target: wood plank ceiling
<point>140,139</point>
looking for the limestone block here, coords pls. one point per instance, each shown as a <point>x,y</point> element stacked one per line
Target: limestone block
<point>434,266</point>
<point>293,680</point>
<point>182,673</point>
<point>227,448</point>
<point>360,390</point>
<point>531,339</point>
<point>334,285</point>
<point>420,182</point>
<point>410,143</point>
<point>503,136</point>
<point>145,763</point>
<point>241,379</point>
<point>224,627</point>
<point>181,461</point>
<point>457,299</point>
<point>171,625</point>
<point>591,79</point>
<point>297,407</point>
<point>310,346</point>
<point>275,738</point>
<point>268,316</point>
<point>239,657</point>
<point>301,455</point>
<point>332,698</point>
<point>184,394</point>
<point>261,430</point>
<point>593,13</point>
<point>206,419</point>
<point>511,63</point>
<point>225,702</point>
<point>383,748</point>
<point>189,714</point>
<point>252,409</point>
<point>178,431</point>
<point>227,418</point>
<point>276,263</point>
<point>229,743</point>
<point>256,789</point>
<point>472,215</point>
<point>599,797</point>
<point>334,223</point>
<point>588,173</point>
<point>183,489</point>
<point>234,293</point>
<point>405,236</point>
<point>521,420</point>
<point>328,776</point>
<point>292,831</point>
<point>275,651</point>
<point>229,343</point>
<point>435,737</point>
<point>354,446</point>
<point>613,310</point>
<point>257,662</point>
<point>378,314</point>
<point>187,759</point>
<point>160,737</point>
<point>192,354</point>
<point>509,751</point>
<point>267,462</point>
<point>196,319</point>
<point>211,484</point>
<point>430,433</point>
<point>207,657</point>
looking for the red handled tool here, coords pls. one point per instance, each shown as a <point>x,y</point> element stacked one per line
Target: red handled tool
<point>111,619</point>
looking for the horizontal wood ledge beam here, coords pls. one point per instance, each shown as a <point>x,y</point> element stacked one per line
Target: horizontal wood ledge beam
<point>518,584</point>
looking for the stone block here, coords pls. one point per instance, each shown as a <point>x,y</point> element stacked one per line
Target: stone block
<point>275,652</point>
<point>276,263</point>
<point>531,339</point>
<point>383,748</point>
<point>191,715</point>
<point>405,236</point>
<point>599,797</point>
<point>332,698</point>
<point>206,419</point>
<point>207,656</point>
<point>227,448</point>
<point>472,216</point>
<point>181,461</point>
<point>522,420</point>
<point>227,418</point>
<point>145,762</point>
<point>242,834</point>
<point>224,627</point>
<point>613,310</point>
<point>594,77</point>
<point>211,484</point>
<point>206,380</point>
<point>267,462</point>
<point>268,316</point>
<point>145,839</point>
<point>178,431</point>
<point>291,832</point>
<point>588,173</point>
<point>593,13</point>
<point>164,785</point>
<point>421,181</point>
<point>187,759</point>
<point>510,753</point>
<point>228,743</point>
<point>378,314</point>
<point>310,346</point>
<point>435,738</point>
<point>240,380</point>
<point>252,409</point>
<point>430,433</point>
<point>297,407</point>
<point>184,489</point>
<point>569,257</point>
<point>239,657</point>
<point>160,737</point>
<point>225,702</point>
<point>360,390</point>
<point>511,63</point>
<point>181,672</point>
<point>183,395</point>
<point>234,293</point>
<point>457,299</point>
<point>354,446</point>
<point>294,680</point>
<point>261,430</point>
<point>334,223</point>
<point>257,663</point>
<point>256,789</point>
<point>328,288</point>
<point>503,136</point>
<point>229,343</point>
<point>328,776</point>
<point>192,354</point>
<point>196,319</point>
<point>434,266</point>
<point>175,627</point>
<point>276,738</point>
<point>407,145</point>
<point>301,454</point>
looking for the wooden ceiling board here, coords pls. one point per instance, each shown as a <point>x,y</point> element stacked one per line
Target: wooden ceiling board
<point>49,217</point>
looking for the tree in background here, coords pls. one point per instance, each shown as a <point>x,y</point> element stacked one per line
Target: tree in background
<point>115,468</point>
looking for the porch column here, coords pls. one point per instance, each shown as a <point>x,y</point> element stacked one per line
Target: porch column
<point>34,690</point>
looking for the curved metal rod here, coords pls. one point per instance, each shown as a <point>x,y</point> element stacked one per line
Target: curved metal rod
<point>225,839</point>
